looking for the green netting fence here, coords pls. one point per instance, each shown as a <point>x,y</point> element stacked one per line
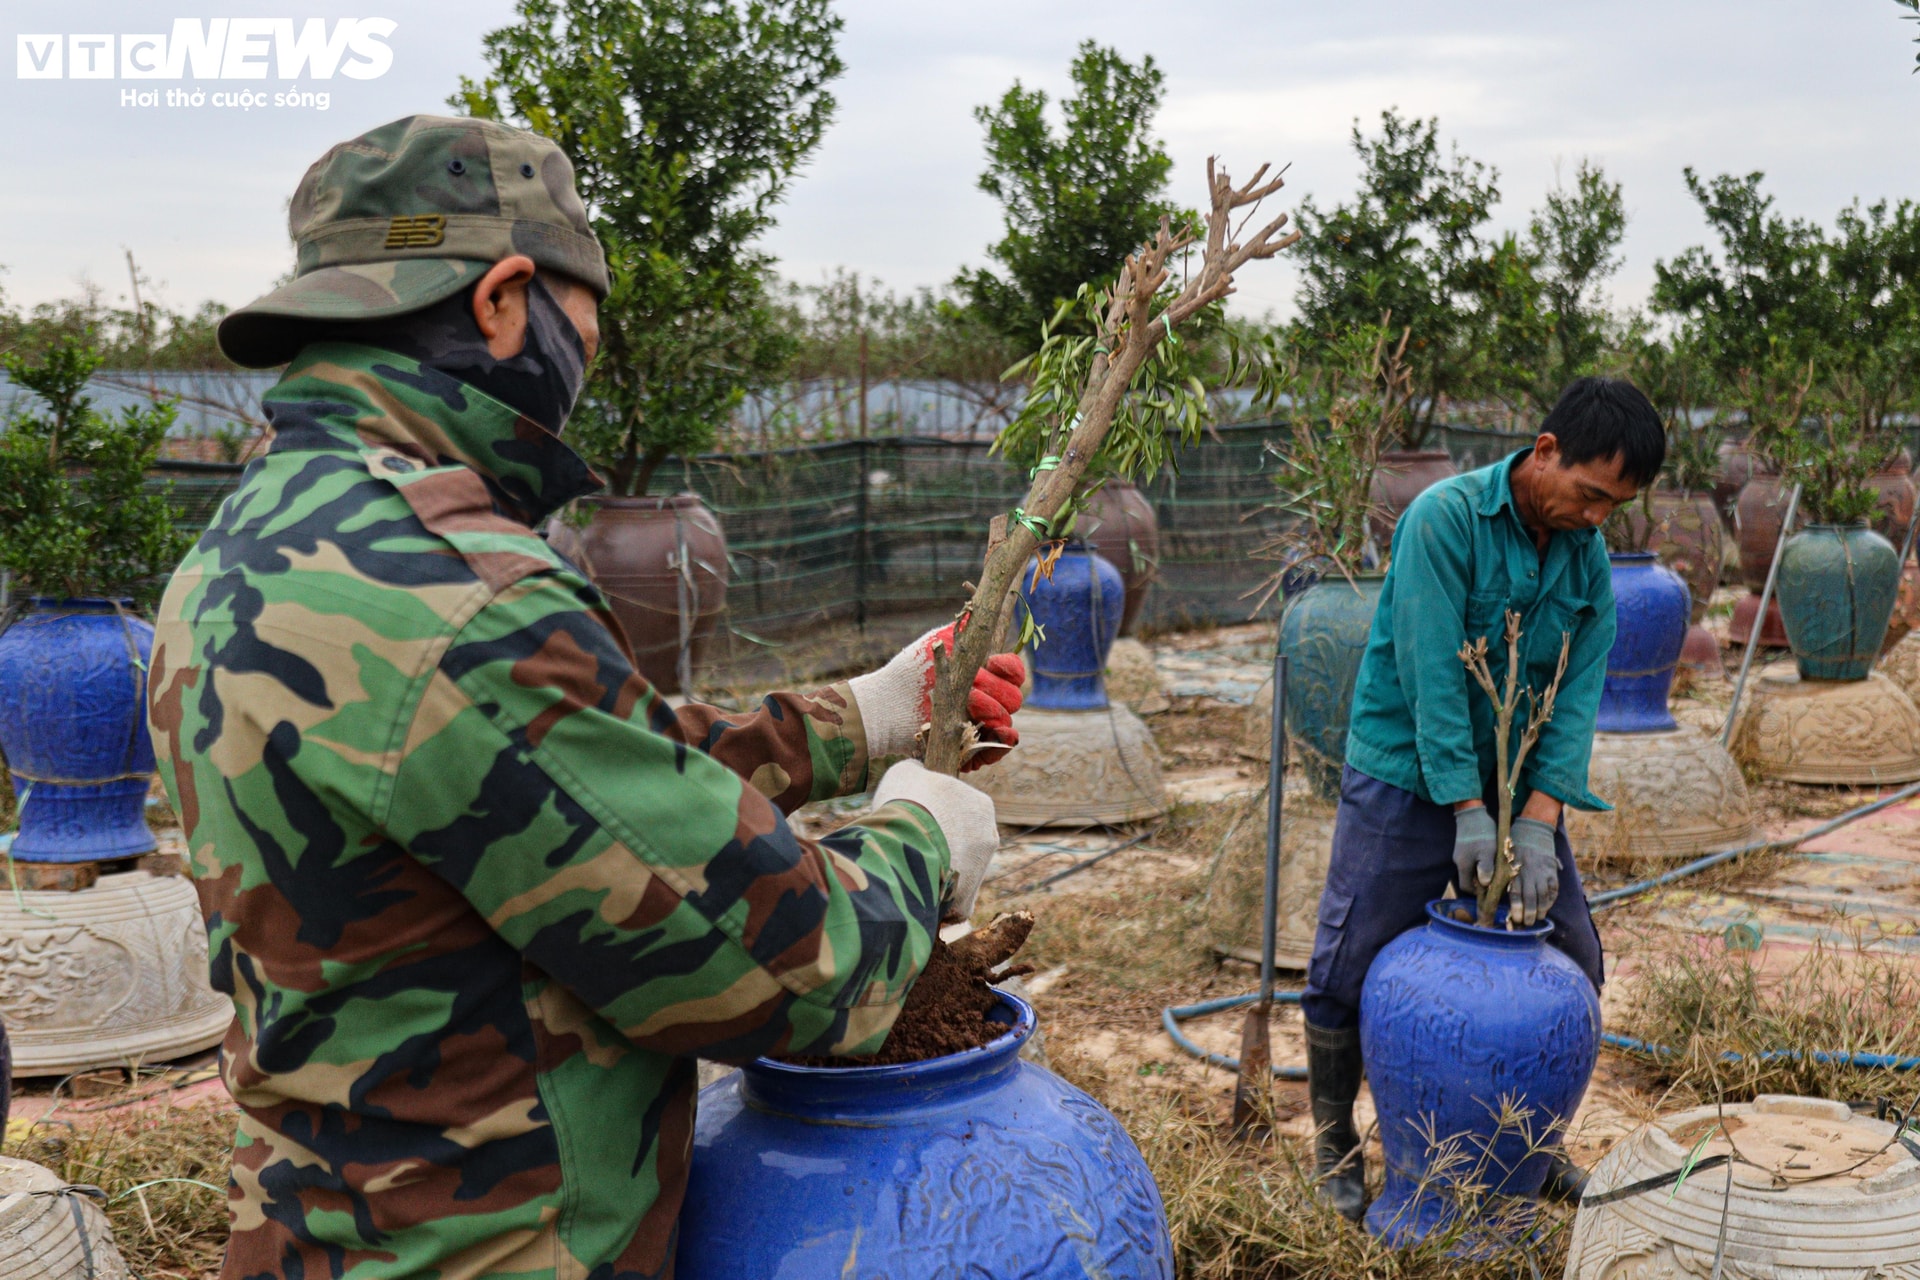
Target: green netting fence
<point>812,546</point>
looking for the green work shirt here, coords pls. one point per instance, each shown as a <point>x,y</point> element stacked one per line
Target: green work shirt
<point>1461,559</point>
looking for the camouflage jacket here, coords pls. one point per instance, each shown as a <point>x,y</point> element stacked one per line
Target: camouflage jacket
<point>477,893</point>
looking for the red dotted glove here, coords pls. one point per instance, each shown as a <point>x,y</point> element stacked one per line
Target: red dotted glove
<point>897,700</point>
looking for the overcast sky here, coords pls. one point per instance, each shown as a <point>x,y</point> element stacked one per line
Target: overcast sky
<point>1817,93</point>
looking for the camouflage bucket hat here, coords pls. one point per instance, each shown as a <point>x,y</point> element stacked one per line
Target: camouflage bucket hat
<point>403,216</point>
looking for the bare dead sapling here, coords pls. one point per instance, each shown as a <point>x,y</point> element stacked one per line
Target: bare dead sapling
<point>1508,759</point>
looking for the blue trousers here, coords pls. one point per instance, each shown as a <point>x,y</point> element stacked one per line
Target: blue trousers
<point>1392,854</point>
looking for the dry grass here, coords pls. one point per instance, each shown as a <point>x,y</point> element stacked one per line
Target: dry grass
<point>1200,733</point>
<point>1738,1029</point>
<point>165,1174</point>
<point>1236,1210</point>
<point>1246,1210</point>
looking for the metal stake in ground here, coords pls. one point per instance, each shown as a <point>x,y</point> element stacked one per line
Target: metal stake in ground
<point>1251,1091</point>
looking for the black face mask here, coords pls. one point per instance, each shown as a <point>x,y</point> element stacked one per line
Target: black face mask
<point>542,381</point>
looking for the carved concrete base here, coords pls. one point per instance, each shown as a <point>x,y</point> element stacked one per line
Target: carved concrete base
<point>1901,664</point>
<point>1131,677</point>
<point>1861,1220</point>
<point>1843,732</point>
<point>107,976</point>
<point>39,1239</point>
<point>1674,795</point>
<point>1077,769</point>
<point>1239,879</point>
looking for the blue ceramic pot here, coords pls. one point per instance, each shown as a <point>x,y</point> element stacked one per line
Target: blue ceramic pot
<point>1324,633</point>
<point>1653,605</point>
<point>1838,584</point>
<point>975,1164</point>
<point>1078,608</point>
<point>73,722</point>
<point>1455,1022</point>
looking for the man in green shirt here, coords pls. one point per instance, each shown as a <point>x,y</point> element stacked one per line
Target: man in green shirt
<point>1416,792</point>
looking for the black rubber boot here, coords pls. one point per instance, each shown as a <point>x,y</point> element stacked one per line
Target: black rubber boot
<point>1333,1082</point>
<point>1566,1181</point>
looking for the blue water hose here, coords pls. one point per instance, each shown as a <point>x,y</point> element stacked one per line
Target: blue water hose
<point>1613,897</point>
<point>1174,1014</point>
<point>1881,1061</point>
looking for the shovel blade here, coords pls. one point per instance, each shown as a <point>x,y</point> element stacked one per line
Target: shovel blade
<point>1251,1093</point>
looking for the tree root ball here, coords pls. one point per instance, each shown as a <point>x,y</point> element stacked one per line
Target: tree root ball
<point>946,1012</point>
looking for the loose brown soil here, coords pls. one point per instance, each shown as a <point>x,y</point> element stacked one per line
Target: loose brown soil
<point>946,1011</point>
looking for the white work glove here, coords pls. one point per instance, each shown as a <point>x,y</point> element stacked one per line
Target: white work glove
<point>897,700</point>
<point>964,816</point>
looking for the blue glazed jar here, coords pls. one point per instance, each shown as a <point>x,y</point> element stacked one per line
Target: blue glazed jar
<point>73,723</point>
<point>1838,585</point>
<point>975,1164</point>
<point>1324,632</point>
<point>1456,1022</point>
<point>1078,608</point>
<point>1652,604</point>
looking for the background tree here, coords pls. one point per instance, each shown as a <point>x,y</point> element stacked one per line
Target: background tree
<point>1573,242</point>
<point>76,516</point>
<point>1763,299</point>
<point>1790,314</point>
<point>1076,200</point>
<point>1409,243</point>
<point>1873,272</point>
<point>685,121</point>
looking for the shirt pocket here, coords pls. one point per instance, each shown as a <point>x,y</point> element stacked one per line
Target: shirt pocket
<point>1486,616</point>
<point>1554,617</point>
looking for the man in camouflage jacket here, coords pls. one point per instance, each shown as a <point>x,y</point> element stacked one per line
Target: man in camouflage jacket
<point>479,895</point>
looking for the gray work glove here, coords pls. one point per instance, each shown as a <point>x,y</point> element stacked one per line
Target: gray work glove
<point>1536,883</point>
<point>964,816</point>
<point>1473,848</point>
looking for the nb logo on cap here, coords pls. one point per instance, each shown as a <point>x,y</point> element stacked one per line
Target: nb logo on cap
<point>416,231</point>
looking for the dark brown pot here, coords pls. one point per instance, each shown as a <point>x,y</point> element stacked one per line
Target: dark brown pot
<point>631,551</point>
<point>1701,652</point>
<point>1120,526</point>
<point>1762,506</point>
<point>1772,636</point>
<point>1687,537</point>
<point>1401,476</point>
<point>1906,607</point>
<point>1895,510</point>
<point>1736,468</point>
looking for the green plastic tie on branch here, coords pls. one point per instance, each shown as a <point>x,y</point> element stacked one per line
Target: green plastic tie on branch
<point>1034,525</point>
<point>1049,463</point>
